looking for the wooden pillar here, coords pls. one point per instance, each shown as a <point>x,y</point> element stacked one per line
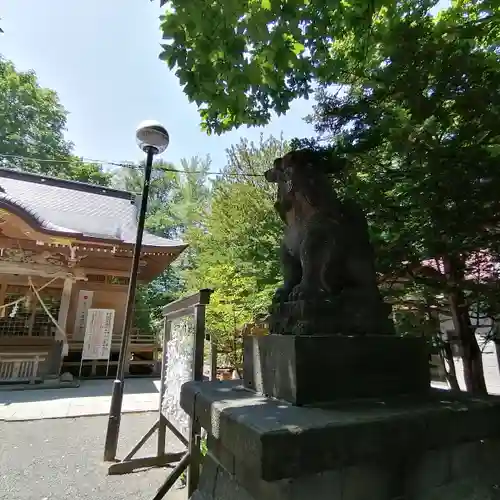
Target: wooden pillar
<point>3,292</point>
<point>157,365</point>
<point>62,318</point>
<point>213,358</point>
<point>127,362</point>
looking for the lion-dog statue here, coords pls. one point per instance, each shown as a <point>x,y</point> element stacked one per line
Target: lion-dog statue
<point>330,283</point>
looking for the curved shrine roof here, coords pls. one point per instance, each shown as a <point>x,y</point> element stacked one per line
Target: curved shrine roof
<point>77,209</point>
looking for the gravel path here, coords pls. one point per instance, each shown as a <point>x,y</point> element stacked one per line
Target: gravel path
<point>62,460</point>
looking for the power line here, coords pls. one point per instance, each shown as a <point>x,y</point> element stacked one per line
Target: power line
<point>82,159</point>
<point>90,161</point>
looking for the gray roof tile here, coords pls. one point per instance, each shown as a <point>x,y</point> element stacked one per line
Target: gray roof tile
<point>74,207</point>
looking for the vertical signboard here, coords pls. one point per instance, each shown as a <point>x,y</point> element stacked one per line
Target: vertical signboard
<point>84,303</point>
<point>98,334</point>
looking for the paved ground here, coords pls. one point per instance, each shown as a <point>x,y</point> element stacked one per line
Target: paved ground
<point>491,373</point>
<point>61,460</point>
<point>91,398</point>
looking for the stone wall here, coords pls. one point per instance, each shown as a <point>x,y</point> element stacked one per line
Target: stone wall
<point>468,471</point>
<point>441,446</point>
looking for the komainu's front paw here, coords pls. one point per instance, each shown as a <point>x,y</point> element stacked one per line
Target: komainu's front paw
<point>281,295</point>
<point>301,292</point>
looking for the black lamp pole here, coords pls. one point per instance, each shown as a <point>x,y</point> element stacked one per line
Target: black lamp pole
<point>115,410</point>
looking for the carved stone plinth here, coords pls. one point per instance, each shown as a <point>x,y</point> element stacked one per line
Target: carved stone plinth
<point>327,315</point>
<point>439,446</point>
<point>305,317</point>
<point>319,369</point>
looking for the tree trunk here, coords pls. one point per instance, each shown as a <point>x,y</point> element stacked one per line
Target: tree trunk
<point>445,351</point>
<point>449,366</point>
<point>471,354</point>
<point>497,350</point>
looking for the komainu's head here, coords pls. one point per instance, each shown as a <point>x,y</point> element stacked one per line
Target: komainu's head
<point>286,168</point>
<point>307,172</point>
<point>305,164</point>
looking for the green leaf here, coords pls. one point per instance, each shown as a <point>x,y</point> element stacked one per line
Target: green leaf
<point>298,48</point>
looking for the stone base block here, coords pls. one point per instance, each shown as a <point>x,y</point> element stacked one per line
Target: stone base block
<point>432,478</point>
<point>439,447</point>
<point>317,369</point>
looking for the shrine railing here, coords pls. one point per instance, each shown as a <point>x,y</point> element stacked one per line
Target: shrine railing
<point>27,334</point>
<point>20,367</point>
<point>136,337</point>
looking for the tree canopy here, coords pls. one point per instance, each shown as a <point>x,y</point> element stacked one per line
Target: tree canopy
<point>421,132</point>
<point>241,60</point>
<point>32,126</point>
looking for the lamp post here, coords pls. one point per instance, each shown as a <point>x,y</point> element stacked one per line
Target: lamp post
<point>153,139</point>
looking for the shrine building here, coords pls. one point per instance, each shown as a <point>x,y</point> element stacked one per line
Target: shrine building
<point>65,247</point>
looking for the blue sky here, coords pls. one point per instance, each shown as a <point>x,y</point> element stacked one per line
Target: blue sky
<point>101,57</point>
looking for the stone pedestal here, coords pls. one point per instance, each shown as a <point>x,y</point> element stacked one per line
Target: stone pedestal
<point>421,447</point>
<point>351,311</point>
<point>317,369</point>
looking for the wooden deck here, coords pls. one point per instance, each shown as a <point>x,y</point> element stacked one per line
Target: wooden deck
<point>144,357</point>
<point>23,357</point>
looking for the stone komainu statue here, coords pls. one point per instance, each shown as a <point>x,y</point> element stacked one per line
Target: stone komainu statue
<point>330,284</point>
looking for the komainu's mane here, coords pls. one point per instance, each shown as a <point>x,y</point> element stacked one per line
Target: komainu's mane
<point>310,175</point>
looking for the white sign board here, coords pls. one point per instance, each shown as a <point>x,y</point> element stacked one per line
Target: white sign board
<point>98,334</point>
<point>84,303</point>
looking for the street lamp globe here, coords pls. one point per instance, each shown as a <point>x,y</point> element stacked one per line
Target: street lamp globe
<point>152,135</point>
